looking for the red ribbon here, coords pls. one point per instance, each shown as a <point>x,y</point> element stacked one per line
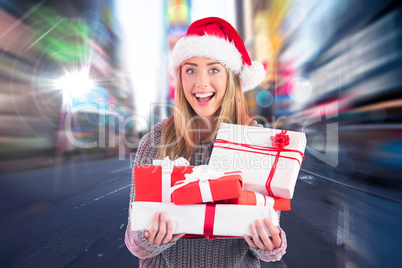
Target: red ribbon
<point>209,219</point>
<point>279,141</point>
<point>209,224</point>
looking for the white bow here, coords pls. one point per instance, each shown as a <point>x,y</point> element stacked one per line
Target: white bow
<point>201,173</point>
<point>167,164</point>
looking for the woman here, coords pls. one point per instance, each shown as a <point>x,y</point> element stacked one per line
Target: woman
<point>212,68</point>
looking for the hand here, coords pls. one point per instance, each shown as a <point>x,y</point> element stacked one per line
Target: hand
<point>161,232</point>
<point>264,242</point>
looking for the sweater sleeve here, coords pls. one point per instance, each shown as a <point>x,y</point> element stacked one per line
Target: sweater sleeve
<point>135,240</point>
<point>276,254</point>
<point>139,245</point>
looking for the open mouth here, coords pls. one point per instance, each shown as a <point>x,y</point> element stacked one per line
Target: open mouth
<point>204,98</point>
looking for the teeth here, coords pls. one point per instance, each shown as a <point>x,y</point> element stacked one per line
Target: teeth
<point>204,95</point>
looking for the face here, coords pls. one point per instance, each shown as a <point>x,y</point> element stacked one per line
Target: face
<point>204,84</point>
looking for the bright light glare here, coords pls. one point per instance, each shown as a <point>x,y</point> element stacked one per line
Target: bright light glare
<point>75,84</point>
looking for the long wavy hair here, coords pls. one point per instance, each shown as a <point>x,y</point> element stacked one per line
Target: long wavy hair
<point>182,134</point>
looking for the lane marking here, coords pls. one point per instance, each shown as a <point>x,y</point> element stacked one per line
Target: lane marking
<point>119,189</point>
<point>117,170</point>
<point>96,199</point>
<point>102,196</point>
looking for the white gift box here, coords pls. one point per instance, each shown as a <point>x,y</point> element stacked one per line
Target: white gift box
<point>226,220</point>
<point>250,150</point>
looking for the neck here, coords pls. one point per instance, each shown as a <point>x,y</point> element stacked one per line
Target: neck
<point>207,126</point>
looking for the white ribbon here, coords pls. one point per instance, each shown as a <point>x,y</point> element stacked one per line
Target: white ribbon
<point>264,200</point>
<point>203,174</point>
<point>259,199</point>
<point>167,169</point>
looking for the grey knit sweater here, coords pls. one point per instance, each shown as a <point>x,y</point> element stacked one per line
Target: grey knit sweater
<point>194,252</point>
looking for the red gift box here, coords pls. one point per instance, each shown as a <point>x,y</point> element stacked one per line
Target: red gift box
<point>152,183</point>
<point>229,186</point>
<point>255,199</point>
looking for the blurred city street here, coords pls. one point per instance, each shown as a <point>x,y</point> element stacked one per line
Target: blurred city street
<point>81,82</point>
<point>75,215</point>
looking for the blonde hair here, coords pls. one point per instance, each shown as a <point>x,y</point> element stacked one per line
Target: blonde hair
<point>181,134</point>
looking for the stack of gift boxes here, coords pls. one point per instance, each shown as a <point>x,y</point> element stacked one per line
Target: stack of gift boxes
<point>251,173</point>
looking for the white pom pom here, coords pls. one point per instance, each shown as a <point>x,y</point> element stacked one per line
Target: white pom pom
<point>251,76</point>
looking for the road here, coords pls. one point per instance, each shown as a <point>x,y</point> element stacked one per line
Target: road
<point>75,215</point>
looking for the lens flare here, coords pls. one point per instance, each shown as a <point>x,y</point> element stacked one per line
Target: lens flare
<point>75,84</point>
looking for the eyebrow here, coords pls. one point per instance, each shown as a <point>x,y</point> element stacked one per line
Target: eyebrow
<point>189,63</point>
<point>193,64</point>
<point>212,63</point>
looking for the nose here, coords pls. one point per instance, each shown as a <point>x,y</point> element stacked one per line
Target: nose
<point>202,80</point>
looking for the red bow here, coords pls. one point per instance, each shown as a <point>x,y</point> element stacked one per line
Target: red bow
<point>280,140</point>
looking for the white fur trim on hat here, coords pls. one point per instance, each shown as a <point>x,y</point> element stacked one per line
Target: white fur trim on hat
<point>206,46</point>
<point>216,48</point>
<point>251,76</point>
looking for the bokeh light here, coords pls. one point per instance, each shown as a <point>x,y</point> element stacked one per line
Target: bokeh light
<point>264,98</point>
<point>90,18</point>
<point>299,89</point>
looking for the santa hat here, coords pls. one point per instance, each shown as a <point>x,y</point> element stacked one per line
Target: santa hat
<point>216,39</point>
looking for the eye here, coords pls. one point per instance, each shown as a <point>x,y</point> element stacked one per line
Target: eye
<point>214,71</point>
<point>190,71</point>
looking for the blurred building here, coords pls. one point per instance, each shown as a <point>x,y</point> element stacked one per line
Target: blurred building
<point>56,55</point>
<point>333,71</point>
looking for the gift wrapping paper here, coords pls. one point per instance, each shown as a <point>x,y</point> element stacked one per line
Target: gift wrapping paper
<point>228,186</point>
<point>152,182</point>
<point>267,168</point>
<point>202,219</point>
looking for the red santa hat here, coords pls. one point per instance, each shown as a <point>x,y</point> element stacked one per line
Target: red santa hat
<point>216,39</point>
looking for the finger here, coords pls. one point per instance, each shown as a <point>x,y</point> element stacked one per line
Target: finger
<point>176,237</point>
<point>249,241</point>
<point>256,238</point>
<point>264,236</point>
<point>275,233</point>
<point>146,234</point>
<point>162,230</point>
<point>169,233</point>
<point>154,228</point>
